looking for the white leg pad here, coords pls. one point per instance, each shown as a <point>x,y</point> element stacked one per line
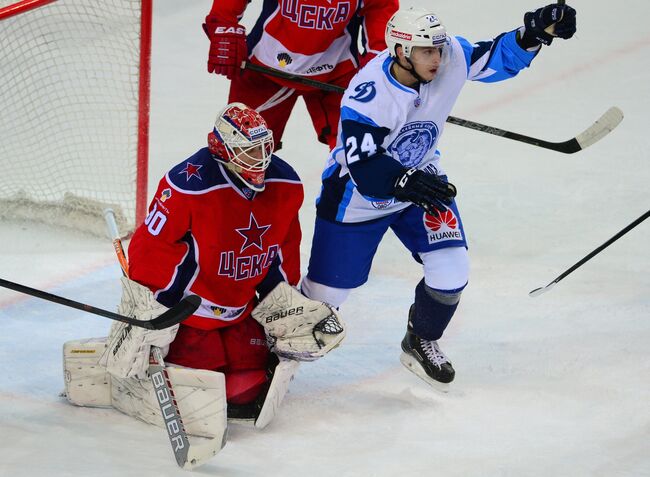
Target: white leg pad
<point>200,394</point>
<point>86,382</point>
<point>282,375</point>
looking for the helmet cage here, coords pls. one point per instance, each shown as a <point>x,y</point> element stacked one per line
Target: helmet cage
<point>241,140</point>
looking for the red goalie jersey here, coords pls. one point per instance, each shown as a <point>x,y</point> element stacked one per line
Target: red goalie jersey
<point>207,235</point>
<point>314,38</point>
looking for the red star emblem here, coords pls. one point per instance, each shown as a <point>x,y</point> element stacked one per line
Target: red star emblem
<point>191,170</point>
<point>253,234</point>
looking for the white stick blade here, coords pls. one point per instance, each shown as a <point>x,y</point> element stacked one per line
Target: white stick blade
<point>601,128</point>
<point>200,454</point>
<point>538,291</point>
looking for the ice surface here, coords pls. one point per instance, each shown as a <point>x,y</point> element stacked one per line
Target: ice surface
<point>556,385</point>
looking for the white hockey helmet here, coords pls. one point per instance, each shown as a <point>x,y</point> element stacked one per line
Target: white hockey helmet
<point>414,27</point>
<point>242,140</point>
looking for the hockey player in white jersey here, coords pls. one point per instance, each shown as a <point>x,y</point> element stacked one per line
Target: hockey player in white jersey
<point>385,172</point>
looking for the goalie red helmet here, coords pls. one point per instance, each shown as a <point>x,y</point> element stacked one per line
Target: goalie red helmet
<point>241,140</point>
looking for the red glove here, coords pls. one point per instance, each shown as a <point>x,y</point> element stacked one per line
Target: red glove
<point>227,47</point>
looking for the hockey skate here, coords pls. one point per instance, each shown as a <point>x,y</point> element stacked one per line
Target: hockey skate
<point>425,359</point>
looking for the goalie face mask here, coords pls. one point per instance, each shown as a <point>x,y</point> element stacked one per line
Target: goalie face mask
<point>241,140</point>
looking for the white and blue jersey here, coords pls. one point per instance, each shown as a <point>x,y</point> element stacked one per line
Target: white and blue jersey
<point>386,127</point>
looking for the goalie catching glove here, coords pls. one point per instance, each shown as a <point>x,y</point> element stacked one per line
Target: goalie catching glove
<point>127,354</point>
<point>296,327</point>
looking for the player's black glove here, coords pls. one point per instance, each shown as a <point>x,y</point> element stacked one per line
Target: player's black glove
<point>560,18</point>
<point>429,191</point>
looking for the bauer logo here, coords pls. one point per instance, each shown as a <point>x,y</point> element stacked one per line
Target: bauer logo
<point>283,314</point>
<point>365,92</point>
<point>442,227</point>
<point>174,425</point>
<point>413,142</point>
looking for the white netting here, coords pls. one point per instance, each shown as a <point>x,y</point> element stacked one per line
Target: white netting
<point>69,76</point>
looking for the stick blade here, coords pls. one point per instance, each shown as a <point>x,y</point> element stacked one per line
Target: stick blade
<point>601,128</point>
<point>539,291</point>
<point>184,309</point>
<point>200,454</point>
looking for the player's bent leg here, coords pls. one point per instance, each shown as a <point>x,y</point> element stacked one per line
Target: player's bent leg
<point>430,314</point>
<point>273,101</point>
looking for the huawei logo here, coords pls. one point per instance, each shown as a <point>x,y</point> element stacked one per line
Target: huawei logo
<point>435,223</point>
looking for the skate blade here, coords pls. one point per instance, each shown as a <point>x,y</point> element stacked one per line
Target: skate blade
<point>413,366</point>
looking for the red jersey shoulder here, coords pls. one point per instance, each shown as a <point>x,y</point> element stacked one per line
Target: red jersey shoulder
<point>197,174</point>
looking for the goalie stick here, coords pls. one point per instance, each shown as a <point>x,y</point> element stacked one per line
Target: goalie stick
<point>538,291</point>
<point>178,313</point>
<point>188,456</point>
<point>594,133</point>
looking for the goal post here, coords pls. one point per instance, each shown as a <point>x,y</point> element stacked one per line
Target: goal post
<point>74,111</point>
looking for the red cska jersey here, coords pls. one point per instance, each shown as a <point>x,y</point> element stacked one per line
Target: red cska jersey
<point>208,236</point>
<point>314,38</point>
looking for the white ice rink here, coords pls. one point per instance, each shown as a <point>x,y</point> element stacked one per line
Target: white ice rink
<point>558,385</point>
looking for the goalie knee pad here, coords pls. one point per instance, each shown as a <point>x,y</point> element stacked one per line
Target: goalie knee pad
<point>86,382</point>
<point>200,395</point>
<point>432,311</point>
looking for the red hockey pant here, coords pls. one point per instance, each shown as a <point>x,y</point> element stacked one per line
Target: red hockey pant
<point>239,351</point>
<point>275,103</point>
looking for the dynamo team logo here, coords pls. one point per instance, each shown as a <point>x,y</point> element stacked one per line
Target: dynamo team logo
<point>414,141</point>
<point>365,92</point>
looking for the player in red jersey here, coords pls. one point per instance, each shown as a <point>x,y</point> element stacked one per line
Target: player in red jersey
<point>310,38</point>
<point>224,225</point>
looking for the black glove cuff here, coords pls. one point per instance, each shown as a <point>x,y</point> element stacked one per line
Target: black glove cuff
<point>530,39</point>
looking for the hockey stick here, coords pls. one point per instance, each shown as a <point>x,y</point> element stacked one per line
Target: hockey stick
<point>187,456</point>
<point>594,133</point>
<point>539,291</point>
<point>178,313</point>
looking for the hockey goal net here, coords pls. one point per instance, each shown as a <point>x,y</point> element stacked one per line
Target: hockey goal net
<point>74,102</point>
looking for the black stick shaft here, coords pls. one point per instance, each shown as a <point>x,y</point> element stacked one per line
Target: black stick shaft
<point>568,147</point>
<point>603,246</point>
<point>178,313</point>
<point>61,300</point>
